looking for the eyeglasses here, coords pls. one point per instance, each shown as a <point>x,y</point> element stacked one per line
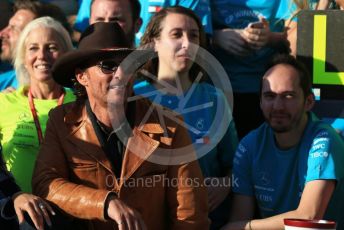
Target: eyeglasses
<point>108,67</point>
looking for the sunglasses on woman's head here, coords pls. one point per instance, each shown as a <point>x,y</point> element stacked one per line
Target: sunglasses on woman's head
<point>108,66</point>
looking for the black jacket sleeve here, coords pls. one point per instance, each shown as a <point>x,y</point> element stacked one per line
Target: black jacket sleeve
<point>8,186</point>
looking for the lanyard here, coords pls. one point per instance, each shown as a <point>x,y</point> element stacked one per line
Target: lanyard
<point>35,116</point>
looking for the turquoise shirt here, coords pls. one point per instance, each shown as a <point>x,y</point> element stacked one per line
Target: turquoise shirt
<point>18,133</point>
<point>275,177</point>
<point>82,18</point>
<point>8,79</point>
<point>245,72</point>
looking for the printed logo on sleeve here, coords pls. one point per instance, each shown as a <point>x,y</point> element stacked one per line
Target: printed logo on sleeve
<point>238,154</point>
<point>320,146</point>
<point>242,148</point>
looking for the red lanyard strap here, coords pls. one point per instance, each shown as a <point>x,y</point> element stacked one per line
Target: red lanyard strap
<point>35,116</point>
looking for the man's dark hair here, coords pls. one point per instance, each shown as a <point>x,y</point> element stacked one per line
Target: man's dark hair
<point>35,7</point>
<point>40,9</point>
<point>135,8</point>
<point>304,75</point>
<point>6,13</point>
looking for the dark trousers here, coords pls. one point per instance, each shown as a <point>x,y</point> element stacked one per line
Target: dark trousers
<point>13,224</point>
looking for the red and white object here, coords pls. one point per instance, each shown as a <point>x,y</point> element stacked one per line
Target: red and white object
<point>300,224</point>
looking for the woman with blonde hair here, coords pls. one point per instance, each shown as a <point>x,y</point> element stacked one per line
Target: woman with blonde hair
<point>25,111</point>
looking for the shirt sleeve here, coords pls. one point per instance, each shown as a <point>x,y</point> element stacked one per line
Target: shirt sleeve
<point>242,179</point>
<point>325,157</point>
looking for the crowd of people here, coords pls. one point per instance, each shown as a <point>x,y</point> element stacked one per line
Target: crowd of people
<point>162,115</point>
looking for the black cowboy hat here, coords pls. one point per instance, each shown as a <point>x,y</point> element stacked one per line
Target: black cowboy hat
<point>99,41</point>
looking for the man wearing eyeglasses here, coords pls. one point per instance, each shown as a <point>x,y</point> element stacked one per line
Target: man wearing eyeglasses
<point>111,163</point>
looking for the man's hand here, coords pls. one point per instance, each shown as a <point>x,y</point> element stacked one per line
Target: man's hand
<point>35,206</point>
<point>124,216</point>
<point>257,35</point>
<point>232,41</point>
<point>218,190</point>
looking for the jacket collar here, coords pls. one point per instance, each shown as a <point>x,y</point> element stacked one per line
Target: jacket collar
<point>139,145</point>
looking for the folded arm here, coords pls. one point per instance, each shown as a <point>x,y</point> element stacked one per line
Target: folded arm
<point>313,204</point>
<point>51,179</point>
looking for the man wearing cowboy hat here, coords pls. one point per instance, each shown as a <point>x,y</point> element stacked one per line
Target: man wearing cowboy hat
<point>111,163</point>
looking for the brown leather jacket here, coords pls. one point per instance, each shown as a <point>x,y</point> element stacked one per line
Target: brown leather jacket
<point>73,172</point>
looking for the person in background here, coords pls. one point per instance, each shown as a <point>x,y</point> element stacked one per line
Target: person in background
<point>24,12</point>
<point>13,203</point>
<point>108,162</point>
<point>6,14</point>
<point>41,42</point>
<point>291,165</point>
<point>246,35</point>
<point>149,8</point>
<point>125,12</point>
<point>175,33</point>
<point>83,15</point>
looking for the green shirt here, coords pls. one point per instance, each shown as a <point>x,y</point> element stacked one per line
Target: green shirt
<point>18,133</point>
